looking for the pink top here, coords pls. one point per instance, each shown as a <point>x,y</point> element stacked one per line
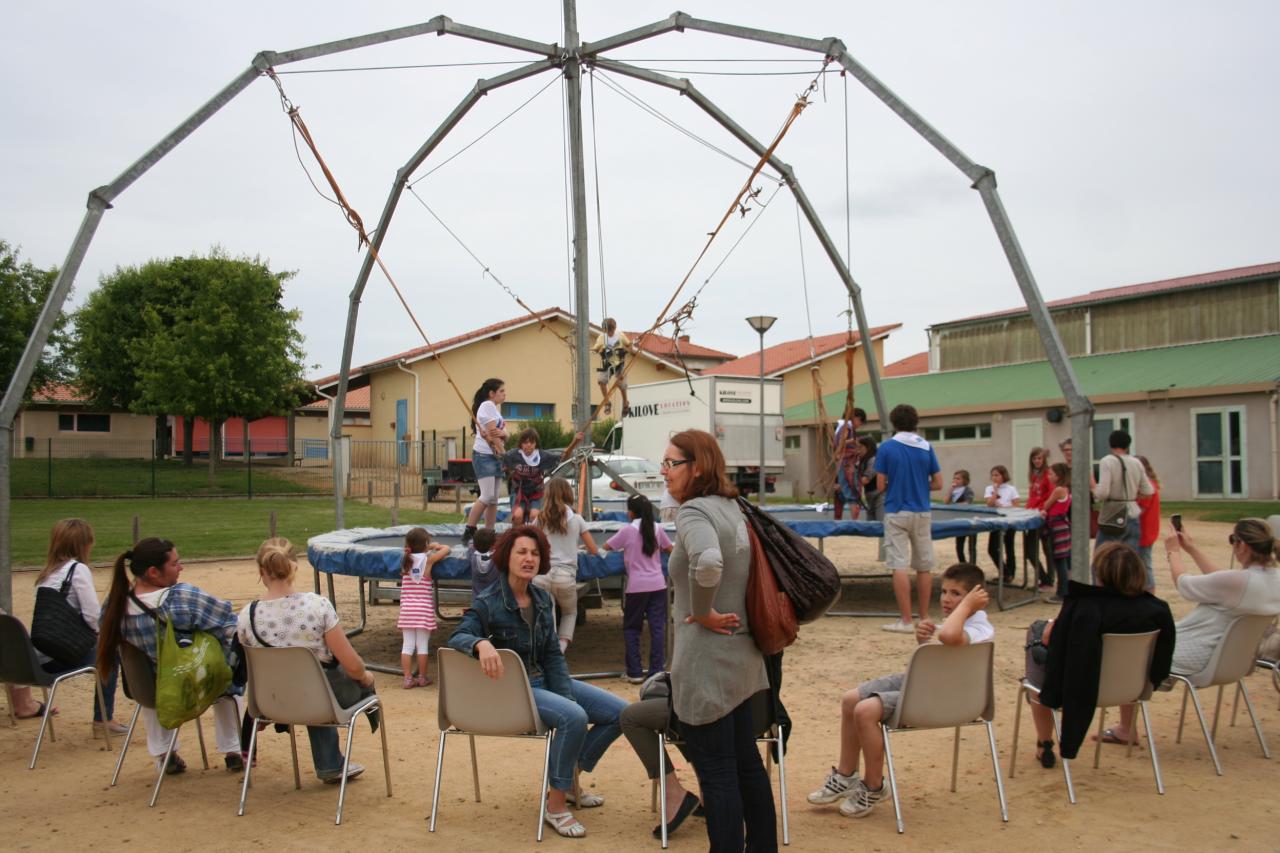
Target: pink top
<point>417,602</point>
<point>644,573</point>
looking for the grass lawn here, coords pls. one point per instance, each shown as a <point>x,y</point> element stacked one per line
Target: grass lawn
<point>199,527</point>
<point>1229,511</point>
<point>128,477</point>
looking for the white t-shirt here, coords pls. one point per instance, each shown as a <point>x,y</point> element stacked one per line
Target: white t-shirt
<point>300,619</point>
<point>486,416</point>
<point>1005,495</point>
<point>978,627</point>
<point>564,546</point>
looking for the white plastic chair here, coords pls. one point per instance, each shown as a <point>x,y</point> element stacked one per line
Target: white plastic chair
<point>139,678</point>
<point>19,665</point>
<point>1231,661</point>
<point>288,686</point>
<point>946,687</point>
<point>1122,680</point>
<point>471,703</point>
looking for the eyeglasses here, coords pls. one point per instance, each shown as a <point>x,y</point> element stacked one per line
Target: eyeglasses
<point>668,464</point>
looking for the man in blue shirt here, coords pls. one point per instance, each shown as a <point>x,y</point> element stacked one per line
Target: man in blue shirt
<point>906,471</point>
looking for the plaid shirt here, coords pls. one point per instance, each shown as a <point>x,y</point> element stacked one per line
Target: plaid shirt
<point>189,609</point>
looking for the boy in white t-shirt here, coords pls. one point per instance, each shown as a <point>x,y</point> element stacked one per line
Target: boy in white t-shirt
<point>964,599</point>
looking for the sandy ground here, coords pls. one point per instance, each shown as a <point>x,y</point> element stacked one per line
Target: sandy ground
<point>66,801</point>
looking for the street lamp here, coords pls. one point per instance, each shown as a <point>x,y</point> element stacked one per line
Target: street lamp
<point>761,325</point>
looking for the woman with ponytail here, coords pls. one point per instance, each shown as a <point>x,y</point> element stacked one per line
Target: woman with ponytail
<point>284,617</point>
<point>486,453</point>
<point>642,543</point>
<point>130,616</point>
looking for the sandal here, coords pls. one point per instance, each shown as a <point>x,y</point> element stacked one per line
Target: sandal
<point>587,800</point>
<point>566,824</point>
<point>175,766</point>
<point>1044,752</point>
<point>38,713</point>
<point>1110,736</point>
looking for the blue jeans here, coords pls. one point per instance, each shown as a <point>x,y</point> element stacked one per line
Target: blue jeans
<point>325,754</point>
<point>638,607</point>
<point>574,745</point>
<point>1132,535</point>
<point>735,788</point>
<point>1144,551</point>
<point>1062,568</point>
<point>108,686</point>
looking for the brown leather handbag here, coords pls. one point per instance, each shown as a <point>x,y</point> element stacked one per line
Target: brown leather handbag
<point>770,615</point>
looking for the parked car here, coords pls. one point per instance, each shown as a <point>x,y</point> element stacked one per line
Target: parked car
<point>644,476</point>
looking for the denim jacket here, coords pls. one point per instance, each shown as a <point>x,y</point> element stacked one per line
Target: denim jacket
<point>496,608</point>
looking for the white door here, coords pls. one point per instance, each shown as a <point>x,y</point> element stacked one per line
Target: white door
<point>1027,433</point>
<point>1103,426</point>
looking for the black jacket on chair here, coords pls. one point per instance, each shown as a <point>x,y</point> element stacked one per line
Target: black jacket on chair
<point>1075,651</point>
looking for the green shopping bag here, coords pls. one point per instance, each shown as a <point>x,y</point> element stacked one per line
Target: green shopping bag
<point>188,678</point>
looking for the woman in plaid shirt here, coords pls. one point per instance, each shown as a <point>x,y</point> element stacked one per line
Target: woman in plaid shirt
<point>128,617</point>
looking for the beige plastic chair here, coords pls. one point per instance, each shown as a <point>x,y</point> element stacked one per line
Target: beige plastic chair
<point>1122,680</point>
<point>19,665</point>
<point>288,686</point>
<point>140,686</point>
<point>770,735</point>
<point>1231,661</point>
<point>471,703</point>
<point>946,687</point>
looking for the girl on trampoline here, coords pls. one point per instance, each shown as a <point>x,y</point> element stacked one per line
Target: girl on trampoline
<point>527,466</point>
<point>417,603</point>
<point>486,453</point>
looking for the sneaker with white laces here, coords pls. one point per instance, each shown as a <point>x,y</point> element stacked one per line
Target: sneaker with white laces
<point>862,799</point>
<point>899,627</point>
<point>836,787</point>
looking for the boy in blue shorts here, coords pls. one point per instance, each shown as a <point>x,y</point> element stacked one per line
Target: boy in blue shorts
<point>964,599</point>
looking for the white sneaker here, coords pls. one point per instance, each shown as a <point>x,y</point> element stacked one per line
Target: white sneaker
<point>862,800</point>
<point>899,627</point>
<point>836,787</point>
<point>353,770</point>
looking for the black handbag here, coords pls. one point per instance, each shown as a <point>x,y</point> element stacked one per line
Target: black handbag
<point>57,628</point>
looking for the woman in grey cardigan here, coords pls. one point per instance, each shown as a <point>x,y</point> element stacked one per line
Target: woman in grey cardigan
<point>716,668</point>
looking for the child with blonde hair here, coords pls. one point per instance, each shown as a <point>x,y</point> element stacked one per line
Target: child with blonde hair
<point>417,603</point>
<point>564,529</point>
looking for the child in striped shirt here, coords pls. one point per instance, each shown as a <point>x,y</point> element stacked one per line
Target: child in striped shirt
<point>417,602</point>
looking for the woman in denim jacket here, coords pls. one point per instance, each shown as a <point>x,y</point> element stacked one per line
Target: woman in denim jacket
<point>514,614</point>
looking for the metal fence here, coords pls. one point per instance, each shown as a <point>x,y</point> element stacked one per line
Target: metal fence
<point>87,467</point>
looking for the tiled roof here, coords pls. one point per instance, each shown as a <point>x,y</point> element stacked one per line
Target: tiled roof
<point>357,401</point>
<point>909,366</point>
<point>661,345</point>
<point>788,355</point>
<point>58,394</point>
<point>1244,362</point>
<point>1130,291</point>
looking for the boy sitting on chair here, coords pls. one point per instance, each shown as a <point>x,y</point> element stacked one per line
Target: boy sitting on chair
<point>964,599</point>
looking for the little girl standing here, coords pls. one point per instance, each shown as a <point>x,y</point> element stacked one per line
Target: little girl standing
<point>1057,517</point>
<point>417,602</point>
<point>1002,493</point>
<point>564,529</point>
<point>642,543</point>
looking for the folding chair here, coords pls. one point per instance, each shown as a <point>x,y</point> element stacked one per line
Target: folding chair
<point>946,687</point>
<point>20,666</point>
<point>771,734</point>
<point>1231,661</point>
<point>288,686</point>
<point>1122,680</point>
<point>471,703</point>
<point>139,677</point>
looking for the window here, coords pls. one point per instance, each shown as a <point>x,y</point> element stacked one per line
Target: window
<point>791,442</point>
<point>1219,455</point>
<point>528,411</point>
<point>1103,426</point>
<point>957,433</point>
<point>84,423</point>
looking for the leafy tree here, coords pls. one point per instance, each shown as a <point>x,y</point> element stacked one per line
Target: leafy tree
<point>112,318</point>
<point>550,433</point>
<point>600,433</point>
<point>24,288</point>
<point>232,349</point>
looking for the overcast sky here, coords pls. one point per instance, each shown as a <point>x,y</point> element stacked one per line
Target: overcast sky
<point>1133,141</point>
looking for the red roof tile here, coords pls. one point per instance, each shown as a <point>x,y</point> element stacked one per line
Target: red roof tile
<point>357,401</point>
<point>1130,291</point>
<point>58,394</point>
<point>912,365</point>
<point>785,356</point>
<point>661,345</point>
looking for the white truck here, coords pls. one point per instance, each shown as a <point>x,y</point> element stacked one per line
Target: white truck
<point>728,408</point>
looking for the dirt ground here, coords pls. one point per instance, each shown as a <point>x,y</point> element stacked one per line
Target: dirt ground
<point>66,801</point>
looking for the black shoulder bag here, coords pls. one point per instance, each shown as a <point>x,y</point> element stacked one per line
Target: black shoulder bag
<point>57,628</point>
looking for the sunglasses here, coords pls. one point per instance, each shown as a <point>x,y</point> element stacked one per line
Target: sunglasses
<point>668,464</point>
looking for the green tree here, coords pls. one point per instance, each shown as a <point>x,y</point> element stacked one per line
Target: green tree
<point>24,288</point>
<point>114,316</point>
<point>232,349</point>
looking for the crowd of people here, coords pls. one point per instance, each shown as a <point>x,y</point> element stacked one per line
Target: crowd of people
<point>524,599</point>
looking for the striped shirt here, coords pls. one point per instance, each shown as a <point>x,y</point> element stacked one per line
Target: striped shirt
<point>417,599</point>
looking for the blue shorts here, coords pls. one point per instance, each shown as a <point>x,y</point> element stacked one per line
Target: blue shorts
<point>486,465</point>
